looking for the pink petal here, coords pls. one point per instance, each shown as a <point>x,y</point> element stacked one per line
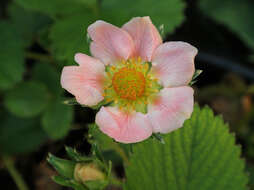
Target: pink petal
<point>85,81</point>
<point>171,108</point>
<point>145,35</point>
<point>123,127</point>
<point>173,63</point>
<point>110,43</point>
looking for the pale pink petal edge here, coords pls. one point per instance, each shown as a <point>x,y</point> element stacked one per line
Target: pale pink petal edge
<point>145,36</point>
<point>123,127</point>
<point>171,108</point>
<point>109,43</point>
<point>84,81</point>
<point>173,63</point>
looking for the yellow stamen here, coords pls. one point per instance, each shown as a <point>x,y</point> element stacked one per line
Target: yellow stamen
<point>129,83</point>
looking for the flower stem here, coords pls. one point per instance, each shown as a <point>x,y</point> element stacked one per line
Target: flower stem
<point>16,176</point>
<point>116,182</point>
<point>121,152</point>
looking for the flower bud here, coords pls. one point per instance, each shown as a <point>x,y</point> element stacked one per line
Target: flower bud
<point>87,172</point>
<point>64,167</point>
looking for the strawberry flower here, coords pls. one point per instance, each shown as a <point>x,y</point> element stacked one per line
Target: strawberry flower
<point>142,82</point>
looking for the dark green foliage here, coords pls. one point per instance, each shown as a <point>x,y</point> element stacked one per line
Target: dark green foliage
<point>20,135</point>
<point>11,56</point>
<point>56,8</point>
<point>168,13</point>
<point>237,15</point>
<point>200,155</point>
<point>27,24</point>
<point>69,36</point>
<point>57,118</point>
<point>49,76</point>
<point>28,99</point>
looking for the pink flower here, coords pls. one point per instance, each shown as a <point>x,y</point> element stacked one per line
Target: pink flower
<point>143,82</point>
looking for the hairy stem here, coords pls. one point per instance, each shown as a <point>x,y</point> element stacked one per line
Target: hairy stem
<point>16,176</point>
<point>121,152</point>
<point>116,182</point>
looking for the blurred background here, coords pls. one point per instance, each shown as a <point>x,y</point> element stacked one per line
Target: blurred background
<point>39,37</point>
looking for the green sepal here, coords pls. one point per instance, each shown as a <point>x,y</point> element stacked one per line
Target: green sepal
<point>158,137</point>
<point>195,75</point>
<point>109,169</point>
<point>107,68</point>
<point>88,39</point>
<point>96,151</point>
<point>70,101</point>
<point>96,184</point>
<point>64,167</point>
<point>75,156</point>
<point>156,85</point>
<point>149,66</point>
<point>69,183</point>
<point>192,82</point>
<point>73,101</point>
<point>161,30</point>
<point>98,106</point>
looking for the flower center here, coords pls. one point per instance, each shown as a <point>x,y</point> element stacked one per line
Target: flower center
<point>129,83</point>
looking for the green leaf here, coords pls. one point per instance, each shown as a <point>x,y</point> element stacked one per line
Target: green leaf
<point>56,8</point>
<point>69,36</point>
<point>43,39</point>
<point>57,118</point>
<point>48,75</point>
<point>20,135</point>
<point>200,155</point>
<point>27,23</point>
<point>11,56</point>
<point>166,12</point>
<point>237,15</point>
<point>28,99</point>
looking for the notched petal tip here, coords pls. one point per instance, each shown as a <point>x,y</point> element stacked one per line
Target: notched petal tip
<point>78,57</point>
<point>145,36</point>
<point>84,81</point>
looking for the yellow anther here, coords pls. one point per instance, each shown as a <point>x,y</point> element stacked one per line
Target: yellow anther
<point>123,62</point>
<point>139,59</point>
<point>129,83</point>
